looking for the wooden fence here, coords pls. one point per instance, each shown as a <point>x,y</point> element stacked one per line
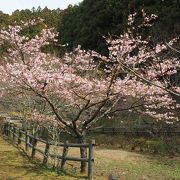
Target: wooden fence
<point>18,136</point>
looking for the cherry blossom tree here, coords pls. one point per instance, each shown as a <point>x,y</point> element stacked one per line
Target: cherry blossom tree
<point>82,87</point>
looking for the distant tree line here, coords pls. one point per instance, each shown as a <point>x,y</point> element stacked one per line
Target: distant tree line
<point>88,22</point>
<point>51,17</point>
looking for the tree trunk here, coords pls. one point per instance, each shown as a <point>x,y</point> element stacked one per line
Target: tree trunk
<point>83,152</point>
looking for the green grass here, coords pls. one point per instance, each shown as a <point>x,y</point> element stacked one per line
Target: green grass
<point>128,165</point>
<point>14,164</point>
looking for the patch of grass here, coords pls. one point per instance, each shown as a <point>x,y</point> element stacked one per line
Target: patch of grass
<point>15,165</point>
<point>128,165</point>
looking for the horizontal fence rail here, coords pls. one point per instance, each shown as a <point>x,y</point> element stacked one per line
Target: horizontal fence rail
<point>30,140</point>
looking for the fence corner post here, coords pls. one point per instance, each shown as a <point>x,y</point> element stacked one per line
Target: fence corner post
<point>91,159</point>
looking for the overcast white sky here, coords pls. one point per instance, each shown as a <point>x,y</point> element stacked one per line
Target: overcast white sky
<point>8,6</point>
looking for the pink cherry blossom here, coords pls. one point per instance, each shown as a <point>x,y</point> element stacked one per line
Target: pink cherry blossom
<point>77,84</point>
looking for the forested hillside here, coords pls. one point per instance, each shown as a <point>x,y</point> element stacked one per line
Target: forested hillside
<point>88,22</point>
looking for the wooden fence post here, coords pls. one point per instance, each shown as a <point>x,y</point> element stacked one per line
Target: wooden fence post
<point>19,136</point>
<point>27,139</point>
<point>65,152</point>
<point>4,128</point>
<point>91,159</point>
<point>10,130</point>
<point>14,132</point>
<point>34,144</point>
<point>46,154</point>
<point>7,129</point>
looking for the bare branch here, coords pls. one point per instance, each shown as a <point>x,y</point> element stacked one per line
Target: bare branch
<point>176,50</point>
<point>150,82</point>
